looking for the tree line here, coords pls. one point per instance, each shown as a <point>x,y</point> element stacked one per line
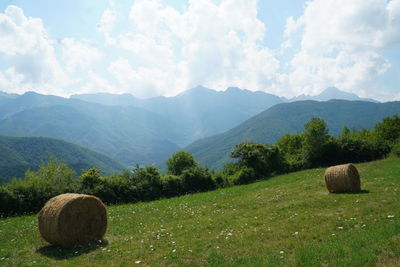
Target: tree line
<point>314,147</point>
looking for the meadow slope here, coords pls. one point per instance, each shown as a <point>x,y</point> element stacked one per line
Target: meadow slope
<point>289,220</point>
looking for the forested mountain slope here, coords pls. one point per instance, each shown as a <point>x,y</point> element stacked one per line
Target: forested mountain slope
<point>278,120</point>
<point>18,154</point>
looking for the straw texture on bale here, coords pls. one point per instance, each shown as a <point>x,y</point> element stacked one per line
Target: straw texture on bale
<point>70,220</point>
<point>342,178</point>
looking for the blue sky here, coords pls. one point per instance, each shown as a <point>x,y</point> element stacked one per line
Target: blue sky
<point>155,47</point>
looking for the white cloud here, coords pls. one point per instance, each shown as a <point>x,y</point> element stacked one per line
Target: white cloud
<point>341,43</point>
<point>95,83</point>
<point>147,50</point>
<point>292,26</point>
<point>162,51</point>
<point>78,55</point>
<point>143,82</point>
<point>32,63</point>
<point>106,24</point>
<point>217,45</point>
<point>392,34</point>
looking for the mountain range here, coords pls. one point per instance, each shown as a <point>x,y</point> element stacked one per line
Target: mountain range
<point>199,111</point>
<point>18,154</point>
<point>128,129</point>
<point>131,130</point>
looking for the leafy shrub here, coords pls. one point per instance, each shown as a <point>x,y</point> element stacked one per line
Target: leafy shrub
<point>244,175</point>
<point>315,138</point>
<point>89,180</point>
<point>172,186</point>
<point>396,149</point>
<point>263,159</point>
<point>220,180</point>
<point>389,129</point>
<point>197,180</point>
<point>148,183</point>
<point>9,204</point>
<point>291,147</point>
<point>362,146</point>
<point>180,161</point>
<point>32,192</point>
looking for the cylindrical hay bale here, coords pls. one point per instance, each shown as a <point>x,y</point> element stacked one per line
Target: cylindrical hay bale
<point>342,178</point>
<point>70,220</point>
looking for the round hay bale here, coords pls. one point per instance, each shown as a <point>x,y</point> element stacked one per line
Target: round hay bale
<point>70,220</point>
<point>342,178</point>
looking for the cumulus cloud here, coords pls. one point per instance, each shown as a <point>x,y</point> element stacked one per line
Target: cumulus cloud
<point>29,54</point>
<point>78,55</point>
<point>214,44</point>
<point>143,81</point>
<point>341,44</point>
<point>106,24</point>
<point>162,51</point>
<point>96,83</point>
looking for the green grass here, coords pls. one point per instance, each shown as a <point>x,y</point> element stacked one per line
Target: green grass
<point>290,220</point>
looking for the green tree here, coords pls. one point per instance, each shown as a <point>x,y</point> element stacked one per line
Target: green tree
<point>396,149</point>
<point>36,188</point>
<point>180,161</point>
<point>147,182</point>
<point>291,147</point>
<point>197,179</point>
<point>345,132</point>
<point>55,173</point>
<point>264,159</point>
<point>315,138</point>
<point>90,179</point>
<point>389,129</point>
<point>244,175</point>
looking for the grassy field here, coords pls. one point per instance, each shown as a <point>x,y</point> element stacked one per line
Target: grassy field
<point>290,220</point>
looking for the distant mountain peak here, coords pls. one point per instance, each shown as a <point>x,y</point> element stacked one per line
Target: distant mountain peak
<point>197,90</point>
<point>331,90</point>
<point>233,89</point>
<point>332,93</point>
<point>335,93</point>
<point>30,93</point>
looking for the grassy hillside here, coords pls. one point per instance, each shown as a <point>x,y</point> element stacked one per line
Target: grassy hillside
<point>289,220</point>
<point>17,154</point>
<point>281,119</point>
